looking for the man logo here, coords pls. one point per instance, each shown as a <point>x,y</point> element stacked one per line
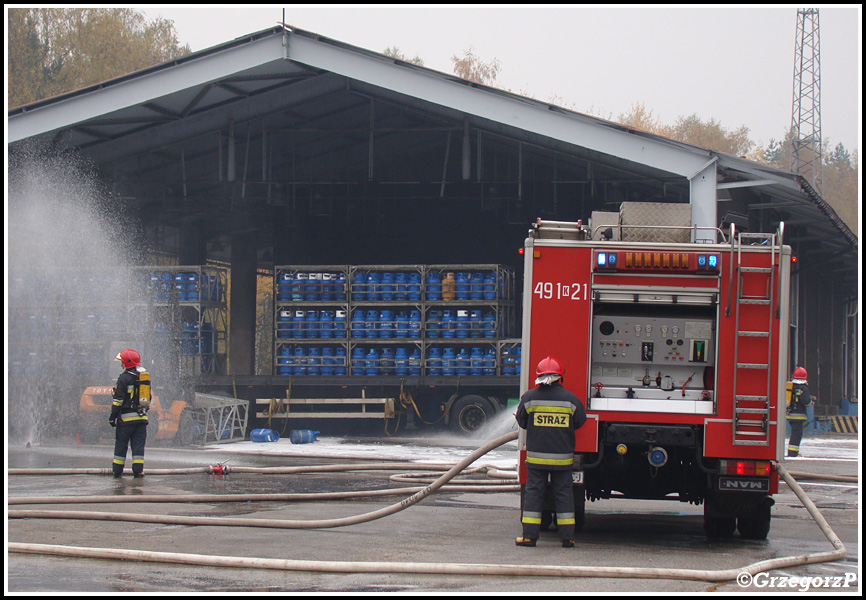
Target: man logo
<point>744,485</point>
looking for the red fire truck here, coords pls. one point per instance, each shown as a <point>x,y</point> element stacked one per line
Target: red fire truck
<point>679,350</point>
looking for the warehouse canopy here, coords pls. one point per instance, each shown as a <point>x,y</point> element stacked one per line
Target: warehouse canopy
<point>228,126</point>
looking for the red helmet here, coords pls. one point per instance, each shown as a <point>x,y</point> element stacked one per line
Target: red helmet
<point>549,365</point>
<point>800,373</point>
<point>129,357</point>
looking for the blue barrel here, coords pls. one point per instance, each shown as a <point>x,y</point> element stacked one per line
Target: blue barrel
<point>434,362</point>
<point>476,362</point>
<point>264,435</point>
<point>303,436</point>
<point>415,363</point>
<point>414,287</point>
<point>490,285</point>
<point>358,362</point>
<point>434,287</point>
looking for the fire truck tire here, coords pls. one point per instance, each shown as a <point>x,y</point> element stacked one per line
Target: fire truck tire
<point>185,430</point>
<point>719,527</point>
<point>469,414</point>
<point>757,525</point>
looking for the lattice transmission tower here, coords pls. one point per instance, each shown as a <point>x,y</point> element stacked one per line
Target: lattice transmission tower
<point>806,114</point>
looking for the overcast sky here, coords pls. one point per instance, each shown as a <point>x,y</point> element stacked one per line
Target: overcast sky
<point>734,64</point>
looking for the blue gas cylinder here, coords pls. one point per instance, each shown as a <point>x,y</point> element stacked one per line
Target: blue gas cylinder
<point>461,362</point>
<point>476,324</point>
<point>372,323</point>
<point>490,362</point>
<point>192,294</point>
<point>414,286</point>
<point>476,286</point>
<point>414,323</point>
<point>402,322</point>
<point>401,287</point>
<point>401,362</point>
<point>386,287</point>
<point>434,362</point>
<point>386,362</point>
<point>415,363</point>
<point>264,435</point>
<point>462,280</point>
<point>373,286</point>
<point>180,285</point>
<point>314,361</point>
<point>340,366</point>
<point>340,324</point>
<point>313,287</point>
<point>359,286</point>
<point>448,362</point>
<point>490,285</point>
<point>434,286</point>
<point>326,324</point>
<point>284,360</point>
<point>476,362</point>
<point>386,324</point>
<point>488,325</point>
<point>359,324</point>
<point>312,323</point>
<point>462,324</point>
<point>434,323</point>
<point>508,362</point>
<point>303,436</point>
<point>358,362</point>
<point>299,365</point>
<point>284,324</point>
<point>301,287</point>
<point>339,287</point>
<point>448,325</point>
<point>327,369</point>
<point>372,366</point>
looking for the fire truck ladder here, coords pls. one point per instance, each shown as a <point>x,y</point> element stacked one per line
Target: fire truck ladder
<point>751,423</point>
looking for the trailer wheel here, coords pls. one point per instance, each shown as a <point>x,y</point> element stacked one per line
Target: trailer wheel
<point>469,414</point>
<point>185,430</point>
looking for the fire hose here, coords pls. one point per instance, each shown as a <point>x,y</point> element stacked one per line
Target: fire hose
<point>403,567</point>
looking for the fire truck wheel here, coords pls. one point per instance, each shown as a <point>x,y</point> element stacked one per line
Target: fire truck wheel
<point>756,526</point>
<point>469,414</point>
<point>185,430</point>
<point>719,527</point>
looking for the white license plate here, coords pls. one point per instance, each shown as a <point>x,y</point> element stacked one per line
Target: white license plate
<point>577,477</point>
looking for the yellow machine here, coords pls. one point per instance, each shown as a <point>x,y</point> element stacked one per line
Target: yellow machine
<point>95,406</point>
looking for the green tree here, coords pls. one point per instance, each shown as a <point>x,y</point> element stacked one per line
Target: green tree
<point>57,50</point>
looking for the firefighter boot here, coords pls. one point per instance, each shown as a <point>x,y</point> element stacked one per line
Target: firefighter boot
<point>568,543</point>
<point>522,541</point>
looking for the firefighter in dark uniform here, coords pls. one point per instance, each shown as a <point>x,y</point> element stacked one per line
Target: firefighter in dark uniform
<point>550,414</point>
<point>800,400</point>
<point>129,413</point>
